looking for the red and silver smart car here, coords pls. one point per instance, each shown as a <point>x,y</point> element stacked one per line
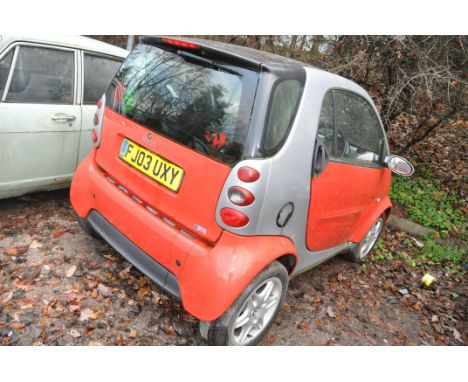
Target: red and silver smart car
<point>221,171</point>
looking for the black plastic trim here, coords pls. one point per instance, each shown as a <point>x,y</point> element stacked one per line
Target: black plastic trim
<point>143,262</point>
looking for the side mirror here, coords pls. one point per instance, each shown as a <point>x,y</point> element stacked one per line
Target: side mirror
<point>399,165</point>
<point>320,159</point>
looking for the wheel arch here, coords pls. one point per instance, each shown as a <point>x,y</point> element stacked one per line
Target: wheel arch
<point>213,278</point>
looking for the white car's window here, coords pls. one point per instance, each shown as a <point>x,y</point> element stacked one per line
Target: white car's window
<point>42,75</point>
<point>4,69</point>
<point>359,134</point>
<point>98,73</point>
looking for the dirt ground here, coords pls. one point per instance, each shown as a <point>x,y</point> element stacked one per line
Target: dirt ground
<point>61,287</point>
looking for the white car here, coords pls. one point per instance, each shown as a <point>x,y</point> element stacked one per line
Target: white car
<point>49,88</point>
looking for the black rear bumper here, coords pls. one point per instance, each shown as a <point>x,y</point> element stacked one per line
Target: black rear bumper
<point>143,262</point>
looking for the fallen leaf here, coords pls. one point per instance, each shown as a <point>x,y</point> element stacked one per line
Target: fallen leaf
<point>58,233</point>
<point>87,313</point>
<point>133,333</point>
<point>10,251</point>
<point>104,290</point>
<point>71,271</point>
<point>270,340</point>
<point>74,333</point>
<point>7,297</point>
<point>27,306</point>
<point>143,292</point>
<point>94,293</point>
<point>330,312</point>
<point>17,325</point>
<point>304,326</point>
<point>35,244</point>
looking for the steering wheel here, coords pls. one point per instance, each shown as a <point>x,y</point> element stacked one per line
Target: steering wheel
<point>342,144</point>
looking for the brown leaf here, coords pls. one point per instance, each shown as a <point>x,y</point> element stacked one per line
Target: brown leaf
<point>71,271</point>
<point>58,233</point>
<point>10,251</point>
<point>133,333</point>
<point>17,325</point>
<point>143,292</point>
<point>304,326</point>
<point>270,340</point>
<point>94,293</point>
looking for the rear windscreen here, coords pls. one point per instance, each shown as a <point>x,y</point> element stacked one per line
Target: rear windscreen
<point>202,106</point>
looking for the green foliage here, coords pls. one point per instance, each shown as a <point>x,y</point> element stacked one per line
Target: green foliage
<point>428,204</point>
<point>436,252</point>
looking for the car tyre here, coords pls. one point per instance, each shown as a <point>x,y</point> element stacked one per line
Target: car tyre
<point>367,244</point>
<point>88,229</point>
<point>251,316</point>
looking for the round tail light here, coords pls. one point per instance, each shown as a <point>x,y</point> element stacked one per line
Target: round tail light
<point>94,135</point>
<point>233,218</point>
<point>240,196</point>
<point>248,174</point>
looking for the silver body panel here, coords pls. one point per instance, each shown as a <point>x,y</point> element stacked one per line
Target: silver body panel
<point>286,176</point>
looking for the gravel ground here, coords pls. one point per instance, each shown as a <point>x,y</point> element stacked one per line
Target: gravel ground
<point>61,287</point>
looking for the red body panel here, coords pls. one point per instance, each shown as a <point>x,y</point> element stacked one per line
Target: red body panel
<point>194,203</point>
<point>210,277</point>
<point>342,198</point>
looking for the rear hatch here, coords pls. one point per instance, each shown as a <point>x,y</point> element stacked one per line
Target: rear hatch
<point>174,125</point>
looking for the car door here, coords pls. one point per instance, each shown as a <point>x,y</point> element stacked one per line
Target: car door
<point>348,186</point>
<point>97,73</point>
<point>40,119</point>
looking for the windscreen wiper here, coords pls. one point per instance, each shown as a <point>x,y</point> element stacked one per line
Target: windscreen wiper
<point>206,62</point>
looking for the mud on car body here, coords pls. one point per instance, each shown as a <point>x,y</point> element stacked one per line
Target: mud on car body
<point>221,172</point>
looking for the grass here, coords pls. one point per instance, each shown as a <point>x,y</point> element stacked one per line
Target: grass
<point>429,205</point>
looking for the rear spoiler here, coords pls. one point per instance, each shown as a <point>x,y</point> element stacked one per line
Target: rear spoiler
<point>207,49</point>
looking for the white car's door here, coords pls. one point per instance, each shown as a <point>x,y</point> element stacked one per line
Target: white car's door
<point>97,74</point>
<point>40,119</point>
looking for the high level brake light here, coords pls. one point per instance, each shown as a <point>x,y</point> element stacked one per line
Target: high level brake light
<point>180,43</point>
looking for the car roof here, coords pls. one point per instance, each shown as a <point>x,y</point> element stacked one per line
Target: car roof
<point>77,42</point>
<point>252,56</point>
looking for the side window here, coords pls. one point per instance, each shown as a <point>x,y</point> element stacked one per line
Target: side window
<point>359,134</point>
<point>42,75</point>
<point>283,107</point>
<point>98,74</point>
<point>326,127</point>
<point>5,63</point>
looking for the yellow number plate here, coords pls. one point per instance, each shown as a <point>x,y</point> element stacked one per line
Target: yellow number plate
<point>152,165</point>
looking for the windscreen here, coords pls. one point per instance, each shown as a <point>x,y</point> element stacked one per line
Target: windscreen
<point>200,105</point>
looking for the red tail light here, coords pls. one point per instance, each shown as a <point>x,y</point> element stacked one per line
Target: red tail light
<point>240,196</point>
<point>179,43</point>
<point>94,136</point>
<point>99,103</point>
<point>233,218</point>
<point>248,174</point>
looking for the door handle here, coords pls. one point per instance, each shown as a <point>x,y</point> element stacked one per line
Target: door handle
<point>63,117</point>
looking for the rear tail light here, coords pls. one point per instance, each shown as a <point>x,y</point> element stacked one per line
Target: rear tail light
<point>233,218</point>
<point>94,136</point>
<point>240,196</point>
<point>179,43</point>
<point>248,174</point>
<point>97,120</point>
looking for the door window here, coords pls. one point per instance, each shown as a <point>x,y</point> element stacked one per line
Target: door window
<point>359,135</point>
<point>98,73</point>
<point>42,75</point>
<point>4,70</point>
<point>326,128</point>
